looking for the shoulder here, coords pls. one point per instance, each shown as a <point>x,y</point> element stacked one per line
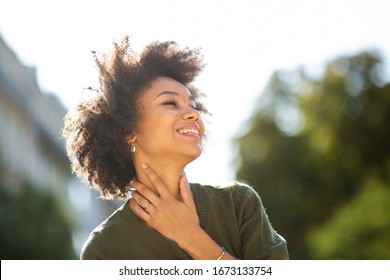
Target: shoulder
<point>237,191</point>
<point>96,246</point>
<point>233,186</point>
<point>114,221</point>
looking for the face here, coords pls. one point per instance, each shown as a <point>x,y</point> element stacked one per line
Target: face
<point>170,127</point>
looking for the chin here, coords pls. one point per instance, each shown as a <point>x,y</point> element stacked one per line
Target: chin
<point>194,155</point>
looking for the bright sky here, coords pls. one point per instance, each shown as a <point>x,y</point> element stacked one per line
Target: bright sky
<point>244,42</point>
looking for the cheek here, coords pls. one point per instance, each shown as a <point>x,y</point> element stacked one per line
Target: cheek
<point>155,130</point>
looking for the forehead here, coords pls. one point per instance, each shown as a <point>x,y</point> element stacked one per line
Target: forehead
<point>167,86</point>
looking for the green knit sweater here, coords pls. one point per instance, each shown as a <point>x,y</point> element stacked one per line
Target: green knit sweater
<point>233,216</point>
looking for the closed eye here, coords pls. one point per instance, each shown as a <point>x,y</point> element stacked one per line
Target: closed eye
<point>170,102</point>
<point>175,104</point>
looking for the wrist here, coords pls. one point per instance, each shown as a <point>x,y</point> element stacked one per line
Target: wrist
<point>200,246</point>
<point>191,240</point>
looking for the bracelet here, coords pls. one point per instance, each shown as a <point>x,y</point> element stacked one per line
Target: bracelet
<point>222,254</point>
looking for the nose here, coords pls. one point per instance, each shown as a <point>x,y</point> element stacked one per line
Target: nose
<point>191,114</point>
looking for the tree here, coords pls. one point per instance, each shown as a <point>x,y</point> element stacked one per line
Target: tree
<point>312,146</point>
<point>32,225</point>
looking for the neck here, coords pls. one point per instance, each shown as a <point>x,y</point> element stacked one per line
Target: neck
<point>168,171</point>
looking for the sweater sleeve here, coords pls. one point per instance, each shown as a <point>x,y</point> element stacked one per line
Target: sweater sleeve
<point>258,238</point>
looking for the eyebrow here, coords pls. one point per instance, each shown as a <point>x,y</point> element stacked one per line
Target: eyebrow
<point>167,92</point>
<point>174,93</point>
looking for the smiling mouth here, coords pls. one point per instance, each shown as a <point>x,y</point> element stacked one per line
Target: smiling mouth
<point>189,131</point>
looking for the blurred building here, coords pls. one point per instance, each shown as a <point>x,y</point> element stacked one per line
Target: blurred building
<point>31,148</point>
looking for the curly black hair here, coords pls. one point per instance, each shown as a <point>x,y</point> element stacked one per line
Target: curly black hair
<point>96,129</point>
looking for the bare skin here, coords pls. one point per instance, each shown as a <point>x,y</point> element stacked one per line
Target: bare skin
<point>169,137</point>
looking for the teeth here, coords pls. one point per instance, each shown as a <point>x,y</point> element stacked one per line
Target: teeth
<point>189,130</point>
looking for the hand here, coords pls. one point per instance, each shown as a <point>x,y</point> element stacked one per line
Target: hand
<point>174,218</point>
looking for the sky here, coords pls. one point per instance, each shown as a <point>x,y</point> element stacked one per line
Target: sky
<point>243,42</point>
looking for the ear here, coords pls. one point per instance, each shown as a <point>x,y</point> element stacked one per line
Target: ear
<point>131,138</point>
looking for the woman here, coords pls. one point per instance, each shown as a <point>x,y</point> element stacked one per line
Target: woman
<point>135,139</point>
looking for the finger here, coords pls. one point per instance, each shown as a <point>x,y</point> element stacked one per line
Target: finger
<point>185,191</point>
<point>144,191</point>
<point>144,215</point>
<point>157,182</point>
<point>142,201</point>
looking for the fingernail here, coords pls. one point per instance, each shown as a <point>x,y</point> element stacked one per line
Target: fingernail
<point>144,166</point>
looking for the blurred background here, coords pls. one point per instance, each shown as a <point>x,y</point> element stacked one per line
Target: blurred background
<point>299,92</point>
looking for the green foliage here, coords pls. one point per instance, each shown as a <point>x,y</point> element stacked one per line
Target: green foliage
<point>311,148</point>
<point>32,225</point>
<point>359,230</point>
